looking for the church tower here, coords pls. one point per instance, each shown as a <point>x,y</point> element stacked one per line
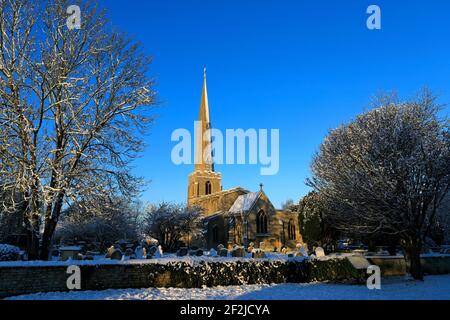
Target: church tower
<point>204,180</point>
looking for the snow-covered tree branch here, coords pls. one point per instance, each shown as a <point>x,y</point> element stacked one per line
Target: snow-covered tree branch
<point>73,107</point>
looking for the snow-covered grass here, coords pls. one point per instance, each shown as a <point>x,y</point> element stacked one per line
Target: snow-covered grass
<point>402,288</point>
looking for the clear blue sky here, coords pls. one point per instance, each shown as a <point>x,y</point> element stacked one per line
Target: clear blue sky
<point>301,66</point>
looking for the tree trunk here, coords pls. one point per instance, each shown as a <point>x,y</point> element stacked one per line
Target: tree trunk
<point>50,226</point>
<point>413,257</point>
<point>46,240</point>
<point>33,240</point>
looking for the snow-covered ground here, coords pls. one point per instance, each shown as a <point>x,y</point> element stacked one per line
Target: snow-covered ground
<point>433,288</point>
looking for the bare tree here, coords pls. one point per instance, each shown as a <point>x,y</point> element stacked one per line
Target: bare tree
<point>170,223</point>
<point>100,220</point>
<point>387,172</point>
<point>73,106</point>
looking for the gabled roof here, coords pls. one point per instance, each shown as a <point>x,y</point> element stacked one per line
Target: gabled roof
<point>214,215</point>
<point>244,202</point>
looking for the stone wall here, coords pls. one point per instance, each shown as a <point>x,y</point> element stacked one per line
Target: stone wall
<point>181,274</point>
<point>397,266</point>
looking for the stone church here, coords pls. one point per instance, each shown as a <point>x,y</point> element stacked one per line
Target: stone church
<point>235,216</point>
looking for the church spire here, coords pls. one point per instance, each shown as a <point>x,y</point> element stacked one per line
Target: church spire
<point>204,180</point>
<point>203,153</point>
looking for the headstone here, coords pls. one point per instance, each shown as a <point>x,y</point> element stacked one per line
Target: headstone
<point>238,252</point>
<point>69,252</point>
<point>262,245</point>
<point>159,252</point>
<point>149,241</point>
<point>319,252</point>
<point>359,262</point>
<point>139,252</point>
<point>152,250</point>
<point>109,252</point>
<point>258,254</point>
<point>304,251</point>
<point>129,252</point>
<point>116,255</point>
<point>223,252</point>
<point>183,251</point>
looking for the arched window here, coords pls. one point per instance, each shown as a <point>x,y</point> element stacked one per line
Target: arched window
<point>215,234</point>
<point>291,230</point>
<point>208,188</point>
<point>261,222</point>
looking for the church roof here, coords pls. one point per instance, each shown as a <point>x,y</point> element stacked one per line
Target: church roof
<point>244,202</point>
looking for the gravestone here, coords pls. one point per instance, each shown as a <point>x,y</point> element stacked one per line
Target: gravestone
<point>319,252</point>
<point>359,262</point>
<point>238,252</point>
<point>116,254</point>
<point>262,245</point>
<point>223,252</point>
<point>109,252</point>
<point>183,251</point>
<point>304,251</point>
<point>152,250</point>
<point>212,253</point>
<point>139,252</point>
<point>159,252</point>
<point>258,254</point>
<point>129,253</point>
